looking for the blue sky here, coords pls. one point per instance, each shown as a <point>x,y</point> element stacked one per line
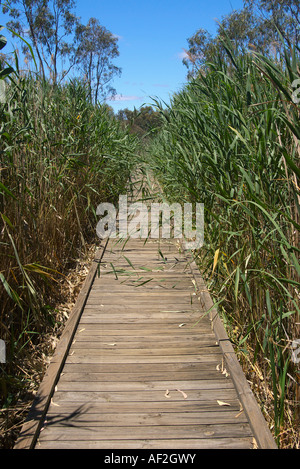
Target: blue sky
<point>152,36</point>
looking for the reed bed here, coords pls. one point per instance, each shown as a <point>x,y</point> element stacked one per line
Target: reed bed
<point>230,140</point>
<point>60,157</point>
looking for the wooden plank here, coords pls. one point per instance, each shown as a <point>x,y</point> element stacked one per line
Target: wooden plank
<point>157,276</point>
<point>140,310</point>
<point>136,352</point>
<point>134,419</point>
<point>143,297</point>
<point>147,338</point>
<point>139,376</point>
<point>107,341</point>
<point>151,319</point>
<point>137,317</point>
<point>139,367</point>
<point>34,421</point>
<point>106,433</point>
<point>136,330</point>
<point>136,343</point>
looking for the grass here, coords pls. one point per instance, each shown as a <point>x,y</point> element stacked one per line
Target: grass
<point>230,140</point>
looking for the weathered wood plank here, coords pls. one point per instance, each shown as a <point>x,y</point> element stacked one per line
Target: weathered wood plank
<point>172,367</point>
<point>212,359</point>
<point>137,343</point>
<point>145,338</point>
<point>257,422</point>
<point>146,319</point>
<point>106,433</point>
<point>134,419</point>
<point>136,330</point>
<point>73,409</point>
<point>104,378</point>
<point>222,395</point>
<point>172,385</point>
<point>140,350</point>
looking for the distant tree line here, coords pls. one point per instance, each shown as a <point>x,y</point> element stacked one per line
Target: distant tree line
<point>143,122</point>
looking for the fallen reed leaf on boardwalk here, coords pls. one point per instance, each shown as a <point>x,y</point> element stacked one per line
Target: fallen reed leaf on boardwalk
<point>221,403</point>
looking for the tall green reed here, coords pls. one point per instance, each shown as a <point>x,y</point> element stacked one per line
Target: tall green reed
<point>230,141</point>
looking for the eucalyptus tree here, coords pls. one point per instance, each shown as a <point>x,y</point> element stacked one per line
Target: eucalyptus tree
<point>263,25</point>
<point>49,25</point>
<point>281,15</point>
<point>96,47</point>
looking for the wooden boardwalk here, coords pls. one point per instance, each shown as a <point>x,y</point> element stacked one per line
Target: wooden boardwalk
<point>141,365</point>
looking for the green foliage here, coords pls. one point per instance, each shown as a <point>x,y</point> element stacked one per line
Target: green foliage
<point>96,49</point>
<point>48,24</point>
<point>143,122</point>
<point>57,37</point>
